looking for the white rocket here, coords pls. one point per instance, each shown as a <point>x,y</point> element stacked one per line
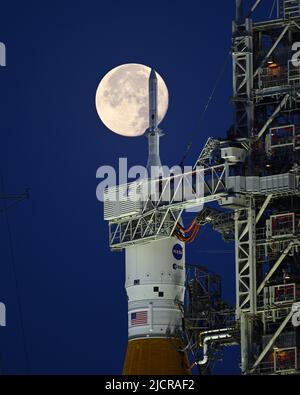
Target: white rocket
<point>155,285</point>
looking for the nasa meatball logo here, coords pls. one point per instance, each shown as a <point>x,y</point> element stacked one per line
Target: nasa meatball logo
<point>177,252</point>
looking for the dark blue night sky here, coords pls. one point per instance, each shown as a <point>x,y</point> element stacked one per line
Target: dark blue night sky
<point>69,285</point>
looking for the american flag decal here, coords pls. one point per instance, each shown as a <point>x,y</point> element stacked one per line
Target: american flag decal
<point>139,318</point>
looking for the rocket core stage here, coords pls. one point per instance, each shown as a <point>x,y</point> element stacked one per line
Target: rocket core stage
<point>155,285</point>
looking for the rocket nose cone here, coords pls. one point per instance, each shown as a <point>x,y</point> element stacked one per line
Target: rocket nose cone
<point>153,75</point>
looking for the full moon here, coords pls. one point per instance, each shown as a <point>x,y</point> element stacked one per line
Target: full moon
<point>122,99</point>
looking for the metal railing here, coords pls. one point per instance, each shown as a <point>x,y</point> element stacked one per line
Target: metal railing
<point>278,76</point>
<point>291,9</point>
<point>281,361</point>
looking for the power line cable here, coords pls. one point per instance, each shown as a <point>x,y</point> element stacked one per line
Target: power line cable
<point>256,3</point>
<point>13,264</point>
<point>272,9</point>
<point>202,116</point>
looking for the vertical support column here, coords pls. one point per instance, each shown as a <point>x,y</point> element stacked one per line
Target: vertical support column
<point>242,57</point>
<point>245,219</point>
<point>246,282</point>
<point>252,257</point>
<point>243,77</point>
<point>244,343</point>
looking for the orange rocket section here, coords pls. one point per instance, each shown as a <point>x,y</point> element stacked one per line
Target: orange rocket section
<point>155,357</point>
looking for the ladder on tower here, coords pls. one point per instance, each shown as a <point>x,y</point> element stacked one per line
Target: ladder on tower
<point>291,9</point>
